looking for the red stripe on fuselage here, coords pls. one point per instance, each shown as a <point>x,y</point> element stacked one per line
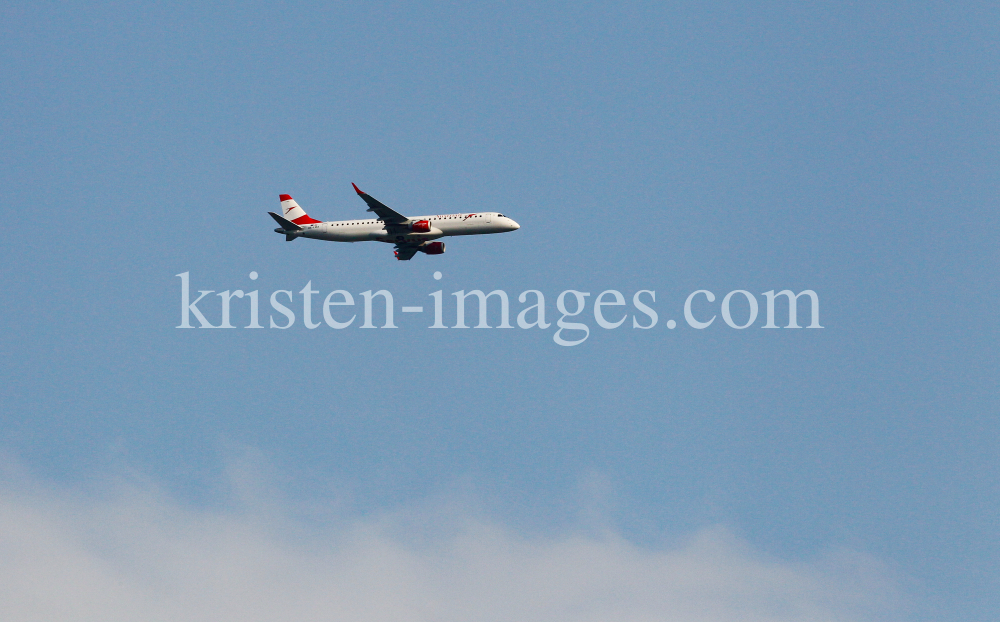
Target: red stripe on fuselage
<point>306,220</point>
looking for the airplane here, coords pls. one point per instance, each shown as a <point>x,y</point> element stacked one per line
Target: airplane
<point>408,234</point>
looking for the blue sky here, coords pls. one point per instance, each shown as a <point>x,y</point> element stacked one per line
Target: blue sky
<point>850,150</point>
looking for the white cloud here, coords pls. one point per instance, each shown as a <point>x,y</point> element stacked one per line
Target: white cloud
<point>136,554</point>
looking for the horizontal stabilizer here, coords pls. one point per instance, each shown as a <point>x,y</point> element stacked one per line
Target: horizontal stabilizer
<point>290,236</point>
<point>286,224</point>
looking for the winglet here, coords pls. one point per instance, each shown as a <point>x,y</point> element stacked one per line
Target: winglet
<point>356,189</point>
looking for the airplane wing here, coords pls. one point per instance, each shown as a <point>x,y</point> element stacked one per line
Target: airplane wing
<point>388,215</point>
<point>405,252</point>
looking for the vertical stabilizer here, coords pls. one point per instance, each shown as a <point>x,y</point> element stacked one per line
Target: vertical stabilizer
<point>291,211</point>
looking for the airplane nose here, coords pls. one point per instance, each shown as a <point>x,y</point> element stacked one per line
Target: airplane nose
<point>514,225</point>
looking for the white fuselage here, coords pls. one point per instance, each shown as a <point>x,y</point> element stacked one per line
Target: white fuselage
<point>440,226</point>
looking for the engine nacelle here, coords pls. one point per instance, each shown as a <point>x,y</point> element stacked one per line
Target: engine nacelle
<point>421,226</point>
<point>434,248</point>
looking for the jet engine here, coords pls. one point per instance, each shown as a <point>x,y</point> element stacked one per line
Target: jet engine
<point>434,248</point>
<point>421,226</point>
